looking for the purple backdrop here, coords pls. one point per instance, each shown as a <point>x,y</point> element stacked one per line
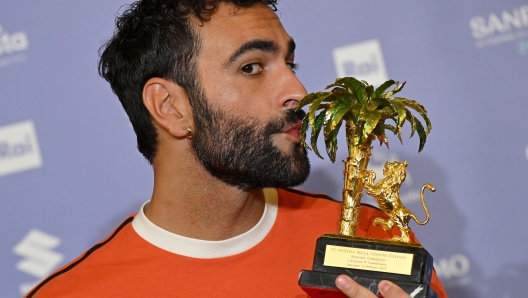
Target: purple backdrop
<point>69,170</point>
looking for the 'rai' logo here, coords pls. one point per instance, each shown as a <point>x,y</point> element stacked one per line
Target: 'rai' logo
<point>19,148</point>
<point>363,61</point>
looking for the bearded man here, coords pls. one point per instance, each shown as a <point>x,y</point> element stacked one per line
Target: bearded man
<point>211,92</point>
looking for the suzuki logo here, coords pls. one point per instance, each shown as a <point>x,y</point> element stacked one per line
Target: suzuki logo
<point>39,258</point>
<point>37,249</point>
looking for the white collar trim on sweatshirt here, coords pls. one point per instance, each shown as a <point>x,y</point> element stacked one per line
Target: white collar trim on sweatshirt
<point>204,249</point>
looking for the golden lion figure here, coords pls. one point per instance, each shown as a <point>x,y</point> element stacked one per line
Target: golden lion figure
<point>387,194</point>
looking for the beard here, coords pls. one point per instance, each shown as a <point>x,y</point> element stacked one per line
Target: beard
<point>241,153</point>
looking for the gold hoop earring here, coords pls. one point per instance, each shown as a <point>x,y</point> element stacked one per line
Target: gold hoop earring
<point>189,134</point>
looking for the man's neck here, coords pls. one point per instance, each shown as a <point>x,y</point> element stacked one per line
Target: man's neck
<point>190,202</point>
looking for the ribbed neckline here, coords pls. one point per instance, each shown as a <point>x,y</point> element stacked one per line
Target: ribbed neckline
<point>205,249</point>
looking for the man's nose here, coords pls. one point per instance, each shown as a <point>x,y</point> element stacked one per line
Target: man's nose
<point>294,91</point>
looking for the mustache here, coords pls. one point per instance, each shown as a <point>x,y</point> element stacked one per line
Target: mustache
<point>287,119</point>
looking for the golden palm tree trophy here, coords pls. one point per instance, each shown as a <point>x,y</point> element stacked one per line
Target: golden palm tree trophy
<point>365,111</point>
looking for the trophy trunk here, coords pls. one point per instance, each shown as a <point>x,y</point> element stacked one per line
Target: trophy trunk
<point>355,166</point>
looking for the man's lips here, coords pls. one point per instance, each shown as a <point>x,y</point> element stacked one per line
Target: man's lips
<point>294,131</point>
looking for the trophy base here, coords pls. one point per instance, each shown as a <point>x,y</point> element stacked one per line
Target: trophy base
<point>367,261</point>
<point>322,285</point>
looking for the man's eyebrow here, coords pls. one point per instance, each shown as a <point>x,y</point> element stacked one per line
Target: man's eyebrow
<point>263,45</point>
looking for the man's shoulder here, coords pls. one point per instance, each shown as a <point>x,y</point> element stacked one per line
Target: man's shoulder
<point>67,279</point>
<point>326,208</point>
<point>300,195</point>
<point>295,196</point>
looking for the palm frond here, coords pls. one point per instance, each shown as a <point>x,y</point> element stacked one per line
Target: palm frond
<point>379,132</point>
<point>395,131</point>
<point>413,104</point>
<point>412,120</point>
<point>304,128</point>
<point>310,98</point>
<point>353,86</point>
<point>330,138</point>
<point>371,120</point>
<point>400,110</point>
<point>338,108</point>
<point>364,110</point>
<point>382,88</point>
<point>318,124</point>
<point>315,106</point>
<point>396,89</point>
<point>421,133</point>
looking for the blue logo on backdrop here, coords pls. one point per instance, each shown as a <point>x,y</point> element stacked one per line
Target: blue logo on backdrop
<point>522,45</point>
<point>19,148</point>
<point>363,60</point>
<point>499,28</point>
<point>16,149</point>
<point>454,270</point>
<point>12,47</point>
<point>364,68</point>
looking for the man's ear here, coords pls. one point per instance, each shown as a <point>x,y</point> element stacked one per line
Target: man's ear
<point>168,105</point>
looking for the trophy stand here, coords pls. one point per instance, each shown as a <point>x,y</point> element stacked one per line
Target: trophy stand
<point>367,262</point>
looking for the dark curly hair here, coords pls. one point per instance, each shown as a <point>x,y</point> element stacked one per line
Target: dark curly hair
<point>154,38</point>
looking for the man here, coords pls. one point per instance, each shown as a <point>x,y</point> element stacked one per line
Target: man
<point>211,92</point>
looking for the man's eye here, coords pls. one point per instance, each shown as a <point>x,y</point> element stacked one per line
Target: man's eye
<point>252,68</point>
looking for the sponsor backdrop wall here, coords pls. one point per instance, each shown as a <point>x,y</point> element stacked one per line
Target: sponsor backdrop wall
<point>70,173</point>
